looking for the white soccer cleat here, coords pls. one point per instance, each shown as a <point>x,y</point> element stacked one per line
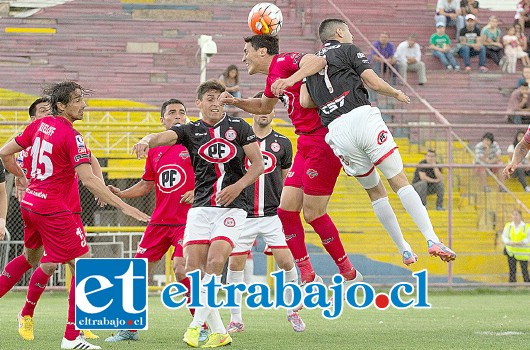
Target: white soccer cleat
<point>78,343</point>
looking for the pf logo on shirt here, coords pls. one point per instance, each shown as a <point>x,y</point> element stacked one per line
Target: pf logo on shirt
<point>171,177</point>
<point>218,150</point>
<point>111,294</point>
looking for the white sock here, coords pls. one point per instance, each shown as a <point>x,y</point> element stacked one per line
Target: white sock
<point>291,276</point>
<point>202,313</point>
<point>249,271</point>
<point>412,203</point>
<point>236,277</point>
<point>215,322</point>
<point>384,212</point>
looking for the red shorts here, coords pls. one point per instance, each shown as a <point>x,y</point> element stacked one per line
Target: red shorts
<point>315,167</point>
<point>62,235</point>
<point>157,239</point>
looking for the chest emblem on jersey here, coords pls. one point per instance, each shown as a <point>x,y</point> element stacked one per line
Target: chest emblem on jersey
<point>312,173</point>
<point>171,177</point>
<point>218,150</point>
<point>184,155</point>
<point>269,161</point>
<point>275,147</point>
<point>230,222</point>
<point>230,135</point>
<point>382,137</point>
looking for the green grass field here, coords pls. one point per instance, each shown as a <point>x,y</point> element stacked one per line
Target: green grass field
<point>457,320</point>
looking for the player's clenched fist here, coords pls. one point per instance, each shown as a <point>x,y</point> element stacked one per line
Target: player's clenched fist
<point>141,149</point>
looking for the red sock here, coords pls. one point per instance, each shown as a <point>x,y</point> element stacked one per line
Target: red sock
<point>186,282</point>
<point>13,273</point>
<point>70,332</point>
<point>329,235</point>
<point>37,285</point>
<point>295,237</point>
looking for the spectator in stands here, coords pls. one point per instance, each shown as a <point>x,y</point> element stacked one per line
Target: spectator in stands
<point>517,245</point>
<point>513,50</point>
<point>387,49</point>
<point>491,38</point>
<point>520,173</point>
<point>230,79</point>
<point>523,39</point>
<point>471,44</point>
<point>468,7</point>
<point>525,77</point>
<point>429,181</point>
<point>488,152</point>
<point>441,48</point>
<point>408,55</point>
<point>522,13</point>
<point>447,12</point>
<point>519,102</point>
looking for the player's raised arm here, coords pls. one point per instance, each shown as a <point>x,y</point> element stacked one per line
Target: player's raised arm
<point>263,105</point>
<point>374,82</point>
<point>139,189</point>
<point>519,154</point>
<point>309,65</point>
<point>164,138</point>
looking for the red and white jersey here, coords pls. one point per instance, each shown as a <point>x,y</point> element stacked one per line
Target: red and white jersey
<point>171,170</point>
<point>305,120</point>
<point>56,149</point>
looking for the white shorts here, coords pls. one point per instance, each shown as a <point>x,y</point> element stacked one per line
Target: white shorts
<point>268,227</point>
<point>361,140</point>
<point>207,224</point>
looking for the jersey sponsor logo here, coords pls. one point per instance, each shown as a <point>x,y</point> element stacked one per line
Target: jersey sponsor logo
<point>382,137</point>
<point>141,250</point>
<point>184,154</point>
<point>171,177</point>
<point>47,129</point>
<point>275,147</point>
<point>78,157</point>
<point>230,135</point>
<point>111,294</point>
<point>312,173</point>
<point>289,237</point>
<point>269,161</point>
<point>218,150</point>
<point>337,103</point>
<point>229,222</point>
<point>290,174</point>
<point>80,142</point>
<point>360,55</point>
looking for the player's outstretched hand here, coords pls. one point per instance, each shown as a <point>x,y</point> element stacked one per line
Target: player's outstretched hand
<point>188,197</point>
<point>401,97</point>
<point>228,195</point>
<point>226,99</point>
<point>279,86</point>
<point>508,171</point>
<point>141,149</point>
<point>135,213</point>
<point>114,190</point>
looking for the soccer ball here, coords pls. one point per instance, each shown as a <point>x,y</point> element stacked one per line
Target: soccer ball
<point>265,18</point>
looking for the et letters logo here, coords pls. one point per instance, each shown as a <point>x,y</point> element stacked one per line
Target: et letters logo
<point>111,294</point>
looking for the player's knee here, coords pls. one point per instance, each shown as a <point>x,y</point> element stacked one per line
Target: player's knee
<point>312,213</point>
<point>399,181</point>
<point>285,263</point>
<point>32,257</point>
<point>48,268</point>
<point>215,264</point>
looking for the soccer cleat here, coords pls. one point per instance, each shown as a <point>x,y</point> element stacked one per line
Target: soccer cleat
<point>216,340</point>
<point>122,335</point>
<point>409,257</point>
<point>89,335</point>
<point>204,333</point>
<point>191,337</point>
<point>235,327</point>
<point>317,279</point>
<point>296,321</point>
<point>25,327</point>
<point>78,343</point>
<point>440,250</point>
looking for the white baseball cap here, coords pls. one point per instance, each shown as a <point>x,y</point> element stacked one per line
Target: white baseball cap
<point>470,16</point>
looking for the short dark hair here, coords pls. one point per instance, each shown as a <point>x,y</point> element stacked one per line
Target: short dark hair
<point>258,95</point>
<point>209,85</point>
<point>488,136</point>
<point>33,108</point>
<point>430,151</point>
<point>170,102</point>
<point>269,42</point>
<point>326,29</point>
<point>61,92</point>
<point>524,83</point>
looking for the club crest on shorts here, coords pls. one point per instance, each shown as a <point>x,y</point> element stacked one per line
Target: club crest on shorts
<point>230,222</point>
<point>230,135</point>
<point>312,173</point>
<point>275,147</point>
<point>382,137</point>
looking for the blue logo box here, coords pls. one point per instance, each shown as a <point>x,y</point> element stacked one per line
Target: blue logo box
<point>111,294</point>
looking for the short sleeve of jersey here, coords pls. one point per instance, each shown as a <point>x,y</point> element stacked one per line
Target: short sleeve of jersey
<point>24,140</point>
<point>2,173</point>
<point>182,133</point>
<point>76,149</point>
<point>247,135</point>
<point>287,159</point>
<point>358,60</point>
<point>149,171</point>
<point>285,64</point>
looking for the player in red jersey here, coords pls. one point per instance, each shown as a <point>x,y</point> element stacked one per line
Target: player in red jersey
<point>168,170</point>
<point>58,153</point>
<point>310,182</point>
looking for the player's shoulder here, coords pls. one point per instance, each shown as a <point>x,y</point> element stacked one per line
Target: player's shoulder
<point>279,136</point>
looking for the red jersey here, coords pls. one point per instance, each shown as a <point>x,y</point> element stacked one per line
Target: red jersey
<point>171,170</point>
<point>56,149</point>
<point>305,120</point>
